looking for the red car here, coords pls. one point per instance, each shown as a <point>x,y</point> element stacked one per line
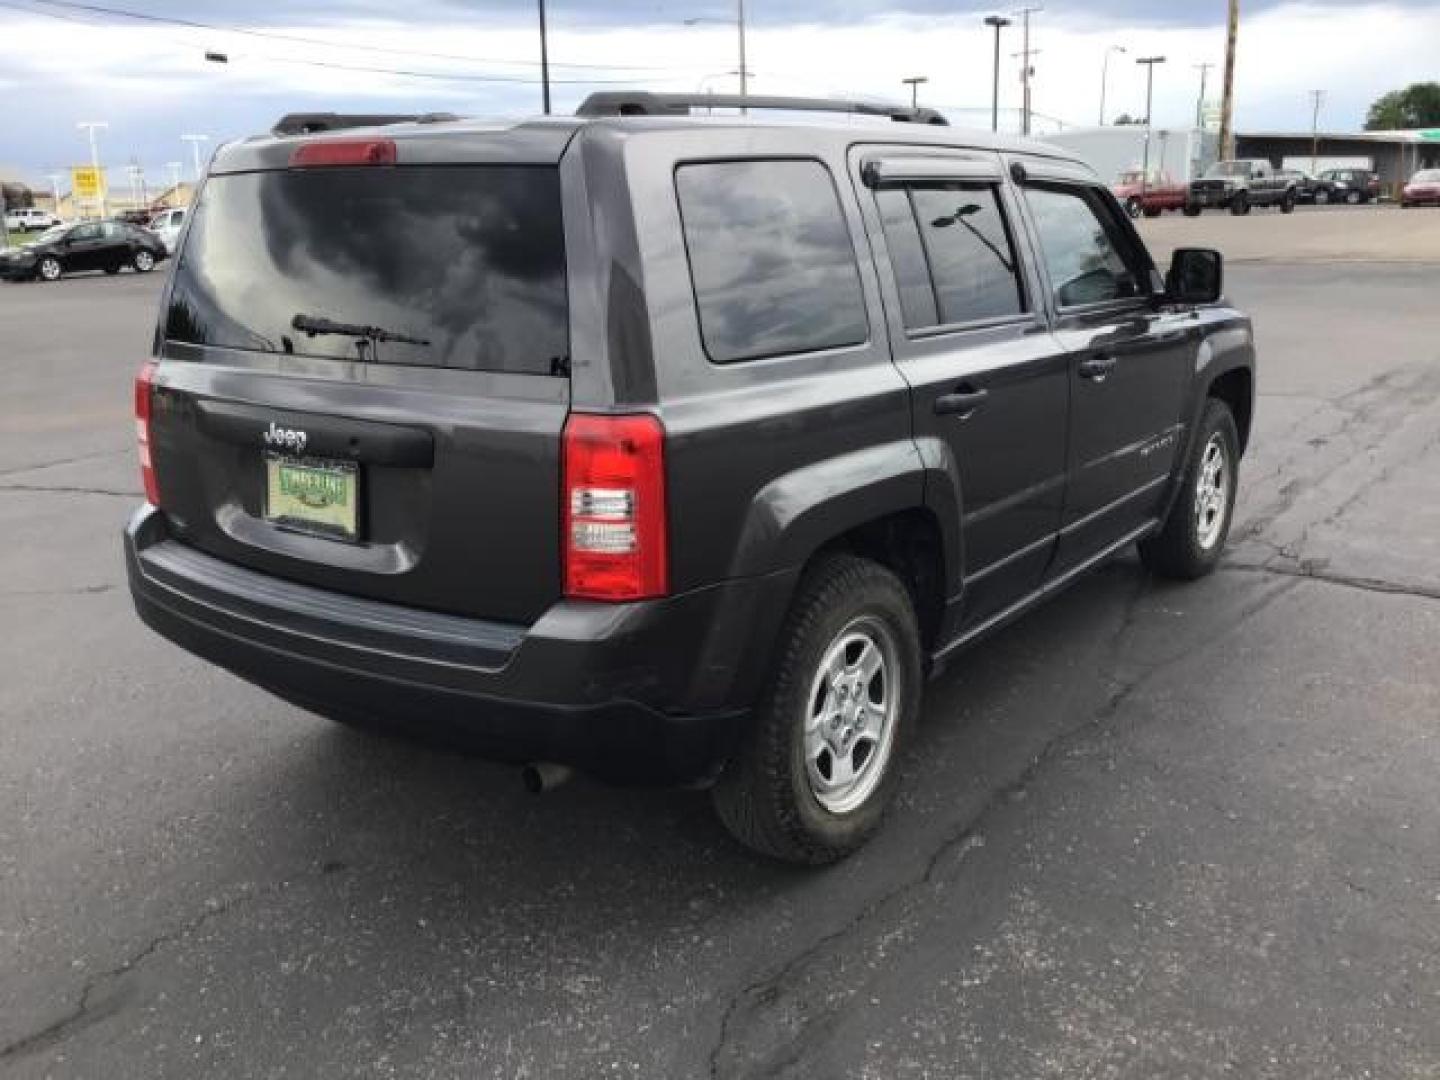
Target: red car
<point>1149,197</point>
<point>1422,190</point>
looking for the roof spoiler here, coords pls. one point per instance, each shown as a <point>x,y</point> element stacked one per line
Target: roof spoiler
<point>639,103</point>
<point>312,123</point>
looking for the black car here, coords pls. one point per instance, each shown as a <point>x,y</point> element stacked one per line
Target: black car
<point>90,245</point>
<point>1306,185</point>
<point>672,449</point>
<point>1352,186</point>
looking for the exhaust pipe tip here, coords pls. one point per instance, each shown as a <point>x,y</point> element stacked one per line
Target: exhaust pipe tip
<point>542,776</point>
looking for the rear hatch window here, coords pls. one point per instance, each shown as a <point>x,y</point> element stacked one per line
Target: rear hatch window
<point>435,266</point>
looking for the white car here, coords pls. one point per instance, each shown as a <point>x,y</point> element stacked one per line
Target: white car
<point>25,220</point>
<point>167,225</point>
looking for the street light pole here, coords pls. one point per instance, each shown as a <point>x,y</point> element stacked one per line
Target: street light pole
<point>1200,101</point>
<point>544,62</point>
<point>195,141</point>
<point>914,82</point>
<point>1105,77</point>
<point>91,126</point>
<point>1149,62</point>
<point>999,23</point>
<point>55,179</point>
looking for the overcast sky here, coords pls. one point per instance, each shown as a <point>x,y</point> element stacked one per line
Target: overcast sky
<point>150,82</point>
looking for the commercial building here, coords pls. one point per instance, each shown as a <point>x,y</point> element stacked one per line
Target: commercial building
<point>1395,155</point>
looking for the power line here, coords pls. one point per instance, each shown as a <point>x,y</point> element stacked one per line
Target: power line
<point>336,66</point>
<point>193,24</point>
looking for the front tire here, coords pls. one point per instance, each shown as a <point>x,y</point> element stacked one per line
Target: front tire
<point>49,269</point>
<point>819,764</point>
<point>1134,207</point>
<point>1322,197</point>
<point>143,261</point>
<point>1354,198</point>
<point>1240,205</point>
<point>1190,543</point>
<point>1287,204</point>
<point>1191,210</point>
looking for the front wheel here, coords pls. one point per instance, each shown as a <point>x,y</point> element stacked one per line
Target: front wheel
<point>49,268</point>
<point>1190,543</point>
<point>1322,197</point>
<point>1353,198</point>
<point>1191,210</point>
<point>819,763</point>
<point>1287,204</point>
<point>143,262</point>
<point>1240,205</point>
<point>1134,207</point>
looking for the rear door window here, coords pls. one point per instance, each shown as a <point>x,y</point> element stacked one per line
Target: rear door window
<point>952,253</point>
<point>433,266</point>
<point>771,259</point>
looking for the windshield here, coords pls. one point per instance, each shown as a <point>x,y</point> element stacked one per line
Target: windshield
<point>463,266</point>
<point>1426,176</point>
<point>1229,168</point>
<point>55,232</point>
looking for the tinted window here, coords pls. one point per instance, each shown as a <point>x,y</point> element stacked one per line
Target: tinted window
<point>971,258</point>
<point>85,232</point>
<point>771,258</point>
<point>467,260</point>
<point>907,258</point>
<point>1081,250</point>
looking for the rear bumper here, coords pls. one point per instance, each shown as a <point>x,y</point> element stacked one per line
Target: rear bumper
<point>651,692</point>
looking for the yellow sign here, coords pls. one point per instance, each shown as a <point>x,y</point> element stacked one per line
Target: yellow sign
<point>87,182</point>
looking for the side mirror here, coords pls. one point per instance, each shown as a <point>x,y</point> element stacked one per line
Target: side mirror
<point>1197,276</point>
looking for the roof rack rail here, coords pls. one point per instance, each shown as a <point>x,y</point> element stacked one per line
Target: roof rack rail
<point>312,123</point>
<point>640,103</point>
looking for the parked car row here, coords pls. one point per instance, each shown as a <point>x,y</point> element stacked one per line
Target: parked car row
<point>1240,186</point>
<point>90,245</point>
<point>29,219</point>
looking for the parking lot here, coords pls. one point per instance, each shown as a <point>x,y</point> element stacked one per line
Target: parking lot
<point>1150,830</point>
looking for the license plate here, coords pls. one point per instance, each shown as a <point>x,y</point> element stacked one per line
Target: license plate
<point>313,496</point>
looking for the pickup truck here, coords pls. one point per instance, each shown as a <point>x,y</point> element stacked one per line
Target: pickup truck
<point>1238,185</point>
<point>1152,196</point>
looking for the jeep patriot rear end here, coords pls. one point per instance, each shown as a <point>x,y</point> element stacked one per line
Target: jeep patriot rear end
<point>673,449</point>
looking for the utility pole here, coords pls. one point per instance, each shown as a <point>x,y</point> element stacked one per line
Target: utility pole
<point>1316,98</point>
<point>1026,72</point>
<point>1204,70</point>
<point>1105,77</point>
<point>914,82</point>
<point>90,127</point>
<point>195,141</point>
<point>1149,63</point>
<point>999,23</point>
<point>174,167</point>
<point>1227,97</point>
<point>740,28</point>
<point>544,62</point>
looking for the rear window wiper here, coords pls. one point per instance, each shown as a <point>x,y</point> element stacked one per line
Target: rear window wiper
<point>318,324</point>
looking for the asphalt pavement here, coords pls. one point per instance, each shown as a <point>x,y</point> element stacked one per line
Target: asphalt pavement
<point>1149,831</point>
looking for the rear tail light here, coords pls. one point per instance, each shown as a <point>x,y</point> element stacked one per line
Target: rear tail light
<point>615,531</point>
<point>144,390</point>
<point>344,152</point>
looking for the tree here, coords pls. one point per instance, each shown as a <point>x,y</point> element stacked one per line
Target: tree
<point>1417,106</point>
<point>1126,120</point>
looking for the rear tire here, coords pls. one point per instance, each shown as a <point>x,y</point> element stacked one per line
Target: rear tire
<point>1190,543</point>
<point>1353,198</point>
<point>1287,204</point>
<point>143,261</point>
<point>1153,212</point>
<point>112,269</point>
<point>1322,197</point>
<point>1134,207</point>
<point>1240,204</point>
<point>803,787</point>
<point>1191,210</point>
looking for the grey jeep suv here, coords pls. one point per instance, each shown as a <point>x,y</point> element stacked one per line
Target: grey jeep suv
<point>667,447</point>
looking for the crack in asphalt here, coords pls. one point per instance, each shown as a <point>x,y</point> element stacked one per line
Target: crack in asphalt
<point>63,489</point>
<point>20,470</point>
<point>88,1010</point>
<point>1304,570</point>
<point>765,992</point>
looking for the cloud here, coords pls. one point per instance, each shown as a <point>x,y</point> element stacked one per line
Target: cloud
<point>152,84</point>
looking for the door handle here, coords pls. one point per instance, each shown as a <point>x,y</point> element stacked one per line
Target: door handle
<point>1096,367</point>
<point>961,403</point>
